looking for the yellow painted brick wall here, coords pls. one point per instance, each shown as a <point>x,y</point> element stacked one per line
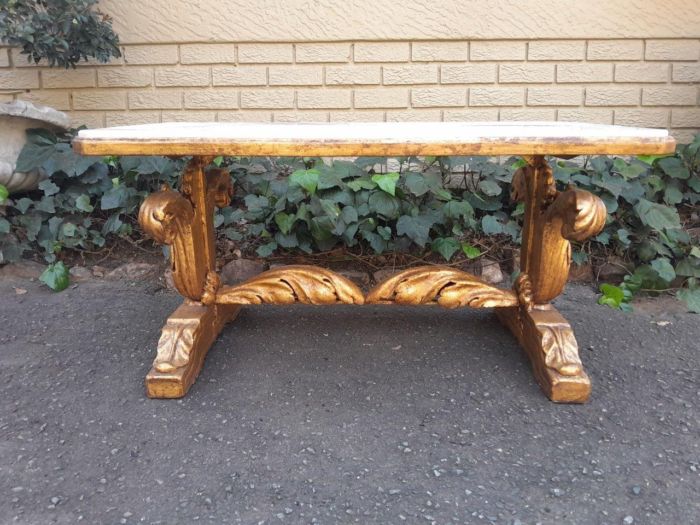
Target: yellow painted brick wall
<point>638,82</point>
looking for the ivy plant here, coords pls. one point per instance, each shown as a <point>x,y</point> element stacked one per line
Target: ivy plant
<point>63,32</point>
<point>449,206</point>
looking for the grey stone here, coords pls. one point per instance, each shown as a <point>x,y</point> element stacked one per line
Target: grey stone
<point>361,279</point>
<point>490,270</point>
<point>613,270</point>
<point>22,270</point>
<point>132,272</point>
<point>383,274</point>
<point>169,280</point>
<point>240,270</point>
<point>80,273</point>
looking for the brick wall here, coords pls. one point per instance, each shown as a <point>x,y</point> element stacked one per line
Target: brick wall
<point>637,82</point>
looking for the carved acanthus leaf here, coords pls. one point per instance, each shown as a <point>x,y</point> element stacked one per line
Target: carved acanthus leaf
<point>293,284</point>
<point>175,344</point>
<point>561,350</point>
<point>442,285</point>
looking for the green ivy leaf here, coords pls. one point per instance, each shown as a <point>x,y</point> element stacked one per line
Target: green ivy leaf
<point>674,167</point>
<point>657,216</point>
<point>56,276</point>
<point>285,222</point>
<point>330,208</point>
<point>445,246</point>
<point>489,187</point>
<point>266,250</point>
<point>663,267</point>
<point>693,183</point>
<point>415,228</point>
<point>628,171</point>
<point>386,182</point>
<point>416,184</point>
<point>472,252</point>
<point>690,266</point>
<point>68,229</point>
<point>4,194</point>
<point>691,298</point>
<point>114,198</point>
<point>455,209</point>
<point>361,183</point>
<point>613,296</point>
<point>673,195</point>
<point>307,179</point>
<point>490,225</point>
<point>83,203</point>
<point>349,215</point>
<point>4,225</point>
<point>40,146</point>
<point>48,187</point>
<point>47,204</point>
<point>384,204</point>
<point>384,232</point>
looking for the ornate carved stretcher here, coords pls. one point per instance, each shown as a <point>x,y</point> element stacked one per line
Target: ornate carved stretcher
<point>183,220</point>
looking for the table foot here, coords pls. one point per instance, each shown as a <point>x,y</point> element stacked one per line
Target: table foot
<point>184,342</point>
<point>549,342</point>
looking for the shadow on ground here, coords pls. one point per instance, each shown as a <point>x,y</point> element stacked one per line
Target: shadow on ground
<point>340,415</point>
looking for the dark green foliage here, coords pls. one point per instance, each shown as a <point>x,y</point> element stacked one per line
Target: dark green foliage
<point>63,32</point>
<point>449,206</point>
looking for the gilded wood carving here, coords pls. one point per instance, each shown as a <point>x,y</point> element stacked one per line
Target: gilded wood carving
<point>552,219</point>
<point>440,285</point>
<point>183,220</point>
<point>293,284</point>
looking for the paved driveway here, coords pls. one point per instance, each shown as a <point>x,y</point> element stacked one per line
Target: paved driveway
<point>340,415</point>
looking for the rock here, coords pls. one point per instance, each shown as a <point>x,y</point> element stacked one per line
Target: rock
<point>80,273</point>
<point>99,271</point>
<point>383,274</point>
<point>613,270</point>
<point>22,270</point>
<point>240,270</point>
<point>361,279</point>
<point>581,273</point>
<point>132,272</point>
<point>169,280</point>
<point>490,271</point>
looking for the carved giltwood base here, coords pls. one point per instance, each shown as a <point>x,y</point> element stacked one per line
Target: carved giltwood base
<point>550,344</point>
<point>184,342</point>
<point>552,219</point>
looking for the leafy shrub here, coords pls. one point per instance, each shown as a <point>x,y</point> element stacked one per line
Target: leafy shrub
<point>449,205</point>
<point>63,32</point>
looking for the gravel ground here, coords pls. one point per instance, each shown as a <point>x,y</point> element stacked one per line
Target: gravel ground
<point>340,415</point>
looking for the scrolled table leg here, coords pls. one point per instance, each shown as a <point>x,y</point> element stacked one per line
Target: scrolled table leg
<point>552,220</point>
<point>183,221</point>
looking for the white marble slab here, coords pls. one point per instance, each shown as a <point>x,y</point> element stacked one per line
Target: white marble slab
<point>373,132</point>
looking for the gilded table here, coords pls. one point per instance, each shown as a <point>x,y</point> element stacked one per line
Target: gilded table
<point>184,221</point>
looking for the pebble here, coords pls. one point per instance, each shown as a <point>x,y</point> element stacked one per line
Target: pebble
<point>628,520</point>
<point>556,492</point>
<point>54,500</point>
<point>636,490</point>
